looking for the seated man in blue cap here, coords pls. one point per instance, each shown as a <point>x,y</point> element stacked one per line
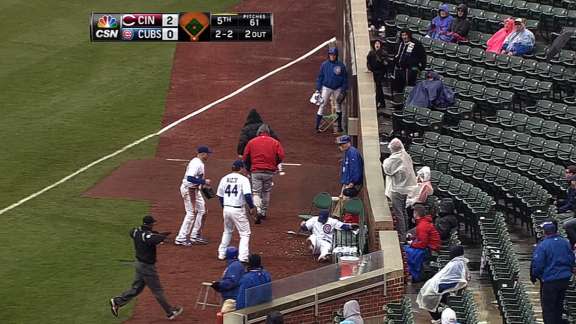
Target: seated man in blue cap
<point>229,285</point>
<point>255,285</point>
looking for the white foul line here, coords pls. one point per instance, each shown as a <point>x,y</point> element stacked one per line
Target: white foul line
<point>165,129</point>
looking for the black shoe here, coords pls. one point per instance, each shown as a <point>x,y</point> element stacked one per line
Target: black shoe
<point>258,219</point>
<point>113,307</point>
<point>174,313</point>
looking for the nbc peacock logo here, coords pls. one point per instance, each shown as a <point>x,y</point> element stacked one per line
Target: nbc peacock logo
<point>107,22</point>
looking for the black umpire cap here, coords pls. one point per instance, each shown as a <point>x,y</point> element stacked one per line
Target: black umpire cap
<point>148,220</point>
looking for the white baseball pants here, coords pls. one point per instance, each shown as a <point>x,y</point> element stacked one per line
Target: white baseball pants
<point>326,94</point>
<point>235,218</point>
<point>195,210</point>
<point>320,246</point>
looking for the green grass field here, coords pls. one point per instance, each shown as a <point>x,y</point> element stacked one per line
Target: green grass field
<point>64,103</point>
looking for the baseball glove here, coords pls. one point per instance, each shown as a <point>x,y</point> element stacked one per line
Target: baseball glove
<point>208,192</point>
<point>341,97</point>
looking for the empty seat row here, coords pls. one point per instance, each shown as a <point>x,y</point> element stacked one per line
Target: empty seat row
<point>536,126</point>
<point>399,313</point>
<point>519,195</point>
<point>546,173</point>
<point>527,89</point>
<point>550,150</point>
<point>415,119</point>
<point>488,100</point>
<point>559,112</point>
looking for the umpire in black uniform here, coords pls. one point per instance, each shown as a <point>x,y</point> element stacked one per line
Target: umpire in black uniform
<point>145,241</point>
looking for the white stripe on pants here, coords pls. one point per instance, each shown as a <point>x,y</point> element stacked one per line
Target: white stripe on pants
<point>195,210</point>
<point>326,94</point>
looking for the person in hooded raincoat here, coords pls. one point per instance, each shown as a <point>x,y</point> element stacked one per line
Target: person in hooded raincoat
<point>351,313</point>
<point>440,25</point>
<point>460,26</point>
<point>454,276</point>
<point>494,44</point>
<point>431,93</point>
<point>400,182</point>
<point>249,130</point>
<point>425,188</point>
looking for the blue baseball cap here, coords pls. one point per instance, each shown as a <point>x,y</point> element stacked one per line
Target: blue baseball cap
<point>549,227</point>
<point>343,139</point>
<point>333,51</point>
<point>239,164</point>
<point>204,149</point>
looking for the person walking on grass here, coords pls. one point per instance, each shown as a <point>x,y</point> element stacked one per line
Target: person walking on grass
<point>145,242</point>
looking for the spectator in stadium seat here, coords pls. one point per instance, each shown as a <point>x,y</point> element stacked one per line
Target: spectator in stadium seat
<point>552,263</point>
<point>427,237</point>
<point>453,277</point>
<point>494,44</point>
<point>567,206</point>
<point>520,41</point>
<point>460,25</point>
<point>378,64</point>
<point>400,182</point>
<point>431,93</point>
<point>408,61</point>
<point>446,221</point>
<point>449,316</point>
<point>440,25</point>
<point>256,276</point>
<point>351,313</point>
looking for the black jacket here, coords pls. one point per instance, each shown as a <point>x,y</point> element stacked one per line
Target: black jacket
<point>411,55</point>
<point>145,241</point>
<point>377,61</point>
<point>461,26</point>
<point>445,223</point>
<point>248,132</point>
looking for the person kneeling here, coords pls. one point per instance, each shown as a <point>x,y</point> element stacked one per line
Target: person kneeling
<point>322,228</point>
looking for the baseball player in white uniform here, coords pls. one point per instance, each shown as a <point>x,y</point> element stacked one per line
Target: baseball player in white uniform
<point>193,200</point>
<point>322,228</point>
<point>233,191</point>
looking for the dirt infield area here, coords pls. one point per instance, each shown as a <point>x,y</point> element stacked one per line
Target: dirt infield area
<point>201,74</point>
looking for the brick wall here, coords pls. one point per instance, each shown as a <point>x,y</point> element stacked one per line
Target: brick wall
<point>371,303</point>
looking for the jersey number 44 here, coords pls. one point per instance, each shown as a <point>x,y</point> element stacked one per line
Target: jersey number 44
<point>229,190</point>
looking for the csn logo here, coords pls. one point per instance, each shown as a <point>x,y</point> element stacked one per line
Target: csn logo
<point>106,27</point>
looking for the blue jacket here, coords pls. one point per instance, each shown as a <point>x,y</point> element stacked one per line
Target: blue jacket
<point>440,27</point>
<point>431,93</point>
<point>553,259</point>
<point>519,43</point>
<point>255,296</point>
<point>332,75</point>
<point>230,282</point>
<point>569,203</point>
<point>352,167</point>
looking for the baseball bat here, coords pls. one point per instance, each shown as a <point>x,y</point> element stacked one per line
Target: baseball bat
<point>297,233</point>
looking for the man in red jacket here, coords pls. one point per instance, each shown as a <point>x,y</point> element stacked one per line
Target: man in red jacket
<point>427,237</point>
<point>262,156</point>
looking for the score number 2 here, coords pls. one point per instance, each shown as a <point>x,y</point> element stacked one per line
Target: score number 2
<point>229,33</point>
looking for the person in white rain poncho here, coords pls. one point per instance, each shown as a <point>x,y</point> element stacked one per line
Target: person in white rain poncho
<point>453,277</point>
<point>351,313</point>
<point>400,182</point>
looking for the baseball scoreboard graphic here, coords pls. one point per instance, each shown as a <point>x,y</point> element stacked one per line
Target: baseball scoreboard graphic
<point>180,27</point>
